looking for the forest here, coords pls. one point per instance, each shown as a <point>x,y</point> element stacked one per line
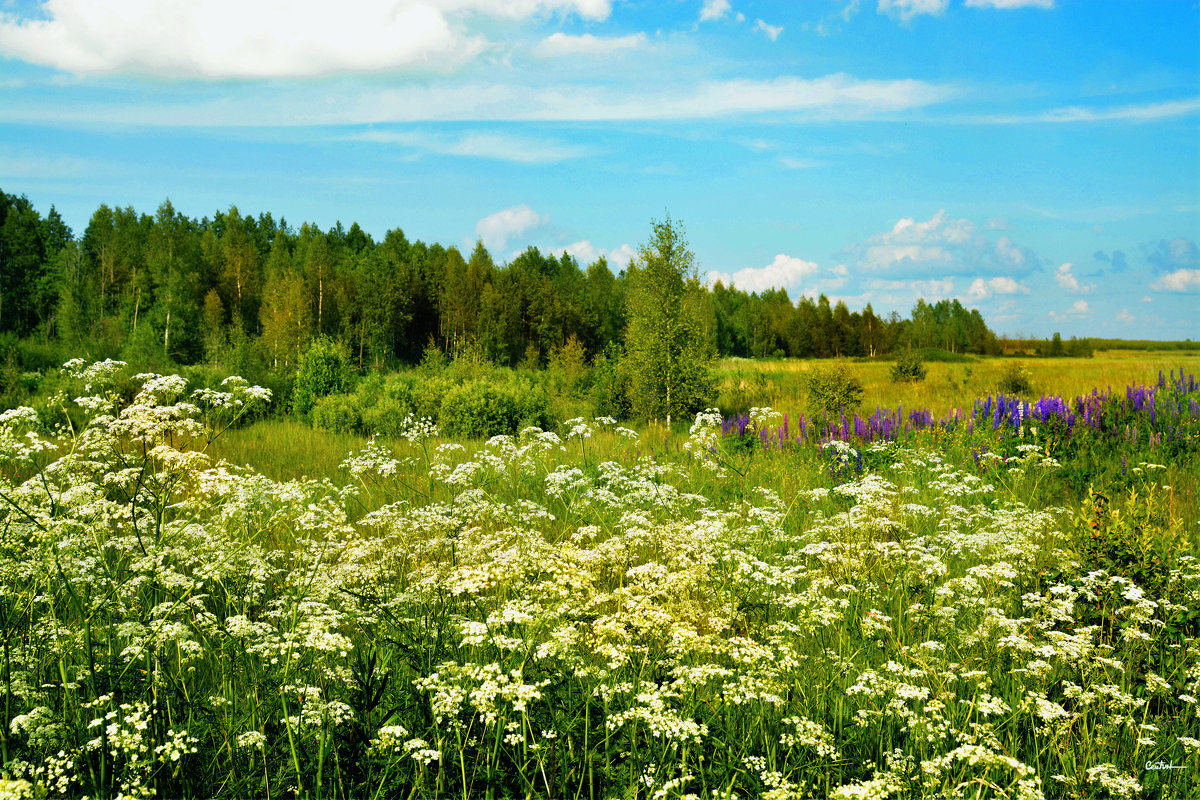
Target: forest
<point>249,294</point>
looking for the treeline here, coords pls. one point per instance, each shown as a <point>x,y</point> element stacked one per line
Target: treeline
<point>245,292</point>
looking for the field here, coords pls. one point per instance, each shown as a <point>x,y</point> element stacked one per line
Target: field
<point>1006,605</point>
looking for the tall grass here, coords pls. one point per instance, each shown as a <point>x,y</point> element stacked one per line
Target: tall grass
<point>582,614</point>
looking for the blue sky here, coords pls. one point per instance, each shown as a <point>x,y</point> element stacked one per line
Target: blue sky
<point>1037,159</point>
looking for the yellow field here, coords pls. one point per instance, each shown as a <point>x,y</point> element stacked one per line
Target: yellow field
<point>780,384</point>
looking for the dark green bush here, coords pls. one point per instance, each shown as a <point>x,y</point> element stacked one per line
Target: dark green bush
<point>384,416</point>
<point>610,385</point>
<point>481,409</point>
<point>338,413</point>
<point>833,390</point>
<point>909,367</point>
<point>1015,379</point>
<point>324,370</point>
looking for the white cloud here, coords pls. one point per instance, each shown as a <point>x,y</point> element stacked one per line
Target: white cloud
<point>800,163</point>
<point>561,44</point>
<point>587,253</point>
<point>1147,299</point>
<point>905,10</point>
<point>480,145</point>
<point>784,272</point>
<point>944,246</point>
<point>981,288</point>
<point>932,289</point>
<point>831,97</point>
<point>1067,280</point>
<point>1147,112</point>
<point>27,165</point>
<point>772,31</point>
<point>1181,280</point>
<point>260,39</point>
<point>1010,4</point>
<point>497,229</point>
<point>1124,316</point>
<point>713,10</point>
<point>1078,309</point>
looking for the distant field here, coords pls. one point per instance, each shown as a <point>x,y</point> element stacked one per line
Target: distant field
<point>780,384</point>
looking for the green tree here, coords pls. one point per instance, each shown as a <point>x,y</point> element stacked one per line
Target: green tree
<point>668,341</point>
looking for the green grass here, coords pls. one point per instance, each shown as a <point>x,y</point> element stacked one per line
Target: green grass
<point>780,384</point>
<point>589,618</point>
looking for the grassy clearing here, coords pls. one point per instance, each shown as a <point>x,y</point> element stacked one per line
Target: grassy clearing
<point>591,612</point>
<point>780,384</point>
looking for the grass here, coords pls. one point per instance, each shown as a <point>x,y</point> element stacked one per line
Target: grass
<point>780,384</point>
<point>593,616</point>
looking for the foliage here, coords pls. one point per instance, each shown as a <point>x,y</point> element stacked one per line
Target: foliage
<point>586,612</point>
<point>833,389</point>
<point>481,409</point>
<point>1015,379</point>
<point>909,367</point>
<point>338,413</point>
<point>668,348</point>
<point>324,369</point>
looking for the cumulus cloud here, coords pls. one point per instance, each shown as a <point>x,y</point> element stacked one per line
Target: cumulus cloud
<point>906,10</point>
<point>981,288</point>
<point>782,273</point>
<point>713,10</point>
<point>494,146</point>
<point>1079,308</point>
<point>1181,280</point>
<point>261,39</point>
<point>1124,316</point>
<point>941,245</point>
<point>901,292</point>
<point>1065,278</point>
<point>496,230</point>
<point>1010,4</point>
<point>586,253</point>
<point>770,31</point>
<point>561,44</point>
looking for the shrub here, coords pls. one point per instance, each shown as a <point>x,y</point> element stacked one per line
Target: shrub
<point>1016,379</point>
<point>610,385</point>
<point>481,409</point>
<point>337,413</point>
<point>324,370</point>
<point>384,416</point>
<point>833,390</point>
<point>909,367</point>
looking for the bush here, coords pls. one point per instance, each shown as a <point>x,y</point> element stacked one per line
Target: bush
<point>833,390</point>
<point>909,367</point>
<point>481,409</point>
<point>324,370</point>
<point>610,385</point>
<point>337,413</point>
<point>384,416</point>
<point>1016,379</point>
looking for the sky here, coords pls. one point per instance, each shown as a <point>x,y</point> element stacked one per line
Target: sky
<point>1036,159</point>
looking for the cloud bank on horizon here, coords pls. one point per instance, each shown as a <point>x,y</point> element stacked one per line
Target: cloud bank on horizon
<point>1035,159</point>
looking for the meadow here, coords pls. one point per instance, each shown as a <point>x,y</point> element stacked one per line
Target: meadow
<point>1007,606</point>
